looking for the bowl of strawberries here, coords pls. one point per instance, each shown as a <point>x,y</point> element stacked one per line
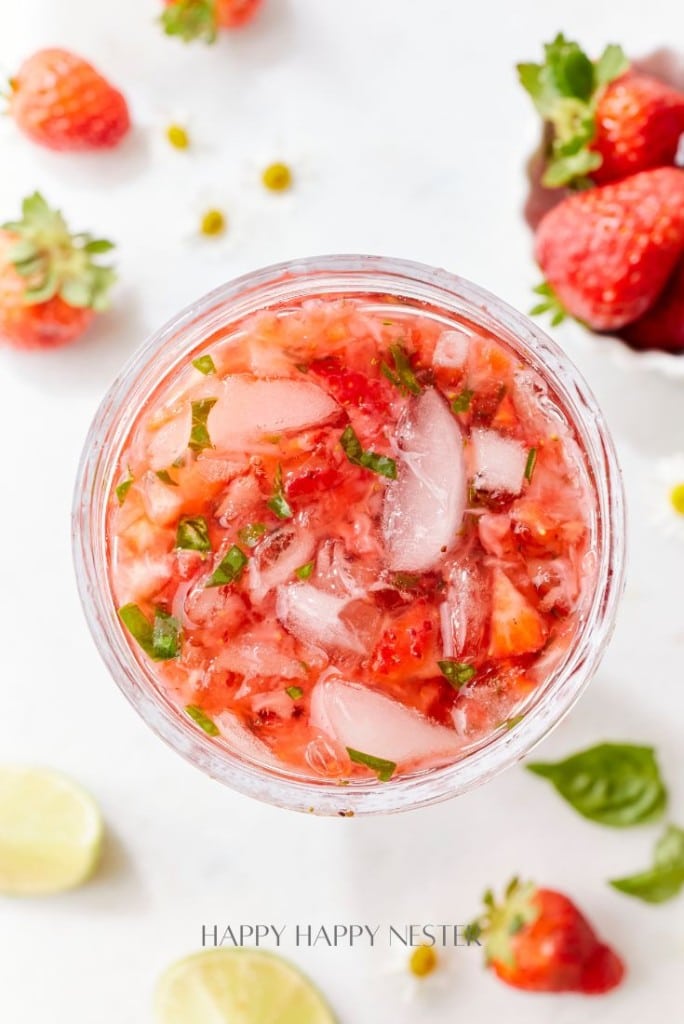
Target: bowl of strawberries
<point>606,199</point>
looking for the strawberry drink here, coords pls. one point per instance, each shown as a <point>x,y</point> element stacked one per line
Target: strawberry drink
<point>350,540</point>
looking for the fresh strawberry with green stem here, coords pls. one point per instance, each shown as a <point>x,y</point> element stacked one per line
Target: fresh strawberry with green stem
<point>663,325</point>
<point>538,940</point>
<point>51,281</point>
<point>607,253</point>
<point>60,101</point>
<point>606,120</point>
<point>202,19</point>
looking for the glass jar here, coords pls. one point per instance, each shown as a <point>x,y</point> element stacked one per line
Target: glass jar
<point>433,293</point>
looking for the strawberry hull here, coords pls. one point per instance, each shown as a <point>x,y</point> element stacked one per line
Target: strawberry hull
<point>356,535</point>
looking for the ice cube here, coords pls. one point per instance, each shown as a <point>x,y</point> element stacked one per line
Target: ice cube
<point>424,506</point>
<point>247,409</point>
<point>276,558</point>
<point>498,463</point>
<point>313,616</point>
<point>451,350</point>
<point>368,721</point>
<point>243,742</point>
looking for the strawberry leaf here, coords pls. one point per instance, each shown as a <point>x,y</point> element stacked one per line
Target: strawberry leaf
<point>550,304</point>
<point>565,90</point>
<point>191,20</point>
<point>54,261</point>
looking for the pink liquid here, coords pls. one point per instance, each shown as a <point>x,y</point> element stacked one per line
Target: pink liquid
<point>357,544</point>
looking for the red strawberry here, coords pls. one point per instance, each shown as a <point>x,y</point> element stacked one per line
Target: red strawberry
<point>663,325</point>
<point>639,122</point>
<point>516,626</point>
<point>62,102</point>
<point>50,283</point>
<point>604,121</point>
<point>201,19</point>
<point>538,940</point>
<point>608,252</point>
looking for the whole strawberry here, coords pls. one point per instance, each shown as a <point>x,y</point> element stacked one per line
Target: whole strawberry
<point>537,940</point>
<point>202,19</point>
<point>51,284</point>
<point>663,325</point>
<point>607,252</point>
<point>605,120</point>
<point>60,101</point>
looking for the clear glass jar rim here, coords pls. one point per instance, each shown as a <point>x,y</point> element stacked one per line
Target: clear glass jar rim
<point>294,281</point>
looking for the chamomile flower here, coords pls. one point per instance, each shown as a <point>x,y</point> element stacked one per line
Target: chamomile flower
<point>420,972</point>
<point>668,511</point>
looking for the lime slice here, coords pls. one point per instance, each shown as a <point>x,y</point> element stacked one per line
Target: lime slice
<point>238,986</point>
<point>50,833</point>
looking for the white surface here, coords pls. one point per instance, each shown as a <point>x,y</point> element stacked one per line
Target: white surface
<point>407,133</point>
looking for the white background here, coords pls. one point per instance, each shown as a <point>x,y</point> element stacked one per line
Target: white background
<point>407,133</point>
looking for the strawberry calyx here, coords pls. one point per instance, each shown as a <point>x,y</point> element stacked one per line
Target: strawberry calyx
<point>500,922</point>
<point>550,303</point>
<point>191,20</point>
<point>52,261</point>
<point>565,90</point>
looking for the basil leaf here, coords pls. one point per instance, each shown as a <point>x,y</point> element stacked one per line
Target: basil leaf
<point>166,478</point>
<point>461,402</point>
<point>159,639</point>
<point>278,504</point>
<point>616,784</point>
<point>530,464</point>
<point>203,720</point>
<point>205,364</point>
<point>458,673</point>
<point>193,534</point>
<point>384,769</point>
<point>199,433</point>
<point>123,488</point>
<point>252,534</point>
<point>665,879</point>
<point>304,571</point>
<point>402,376</point>
<point>295,692</point>
<point>230,568</point>
<point>353,449</point>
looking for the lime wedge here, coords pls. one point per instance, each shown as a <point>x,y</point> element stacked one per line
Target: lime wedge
<point>238,986</point>
<point>50,833</point>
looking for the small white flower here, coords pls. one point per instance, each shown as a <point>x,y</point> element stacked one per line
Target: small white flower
<point>406,964</point>
<point>668,511</point>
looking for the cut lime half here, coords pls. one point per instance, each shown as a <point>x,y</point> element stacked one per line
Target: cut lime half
<point>50,833</point>
<point>238,986</point>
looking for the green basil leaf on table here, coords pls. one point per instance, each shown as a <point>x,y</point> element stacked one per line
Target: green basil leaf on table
<point>615,784</point>
<point>665,879</point>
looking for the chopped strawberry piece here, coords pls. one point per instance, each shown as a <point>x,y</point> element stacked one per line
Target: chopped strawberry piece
<point>351,387</point>
<point>516,627</point>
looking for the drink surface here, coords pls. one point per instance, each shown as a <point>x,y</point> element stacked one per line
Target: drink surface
<point>351,540</point>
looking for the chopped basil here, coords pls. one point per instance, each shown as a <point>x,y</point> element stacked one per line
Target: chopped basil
<point>457,673</point>
<point>229,569</point>
<point>461,402</point>
<point>166,477</point>
<point>531,463</point>
<point>123,488</point>
<point>193,534</point>
<point>278,504</point>
<point>203,720</point>
<point>159,639</point>
<point>252,534</point>
<point>665,879</point>
<point>405,580</point>
<point>402,376</point>
<point>302,367</point>
<point>616,784</point>
<point>294,691</point>
<point>304,571</point>
<point>384,769</point>
<point>381,464</point>
<point>205,364</point>
<point>199,433</point>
